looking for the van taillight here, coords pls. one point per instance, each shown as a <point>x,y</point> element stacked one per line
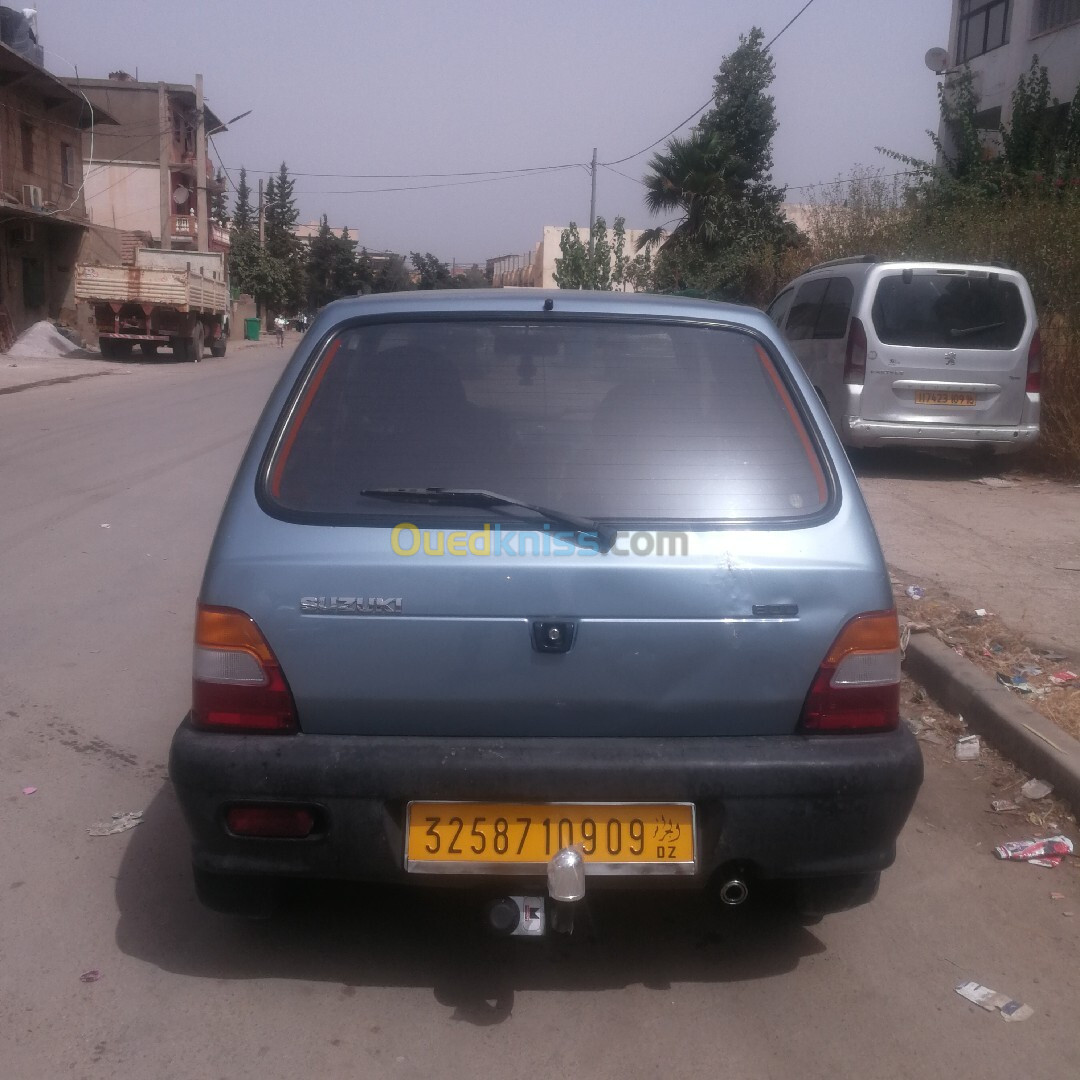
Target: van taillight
<point>857,687</point>
<point>1034,364</point>
<point>855,357</point>
<point>237,682</point>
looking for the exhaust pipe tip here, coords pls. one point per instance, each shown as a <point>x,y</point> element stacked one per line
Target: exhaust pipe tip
<point>734,892</point>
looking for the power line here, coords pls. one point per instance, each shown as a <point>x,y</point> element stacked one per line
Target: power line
<point>625,176</point>
<point>417,176</point>
<point>426,187</point>
<point>697,112</point>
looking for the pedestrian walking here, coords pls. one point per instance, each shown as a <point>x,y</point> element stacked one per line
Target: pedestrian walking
<point>279,326</point>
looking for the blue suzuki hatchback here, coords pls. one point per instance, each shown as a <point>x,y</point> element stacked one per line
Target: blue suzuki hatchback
<point>544,592</point>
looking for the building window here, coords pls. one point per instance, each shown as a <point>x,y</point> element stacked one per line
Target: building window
<point>983,26</point>
<point>27,146</point>
<point>1050,14</point>
<point>67,164</point>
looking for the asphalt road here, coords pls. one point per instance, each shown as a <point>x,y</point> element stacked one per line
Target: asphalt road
<point>109,491</point>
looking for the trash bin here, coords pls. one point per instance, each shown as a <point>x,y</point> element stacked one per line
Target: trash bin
<point>251,329</point>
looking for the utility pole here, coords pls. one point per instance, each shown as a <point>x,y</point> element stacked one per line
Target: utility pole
<point>262,217</point>
<point>164,154</point>
<point>202,214</point>
<point>592,206</point>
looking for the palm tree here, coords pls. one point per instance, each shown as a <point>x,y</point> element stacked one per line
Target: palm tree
<point>686,177</point>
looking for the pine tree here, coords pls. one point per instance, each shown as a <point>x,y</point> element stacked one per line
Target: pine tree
<point>243,215</point>
<point>219,203</point>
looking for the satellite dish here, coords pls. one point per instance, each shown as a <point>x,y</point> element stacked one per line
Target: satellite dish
<point>936,59</point>
<point>180,195</point>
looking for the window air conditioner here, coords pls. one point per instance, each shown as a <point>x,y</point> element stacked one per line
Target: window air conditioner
<point>31,196</point>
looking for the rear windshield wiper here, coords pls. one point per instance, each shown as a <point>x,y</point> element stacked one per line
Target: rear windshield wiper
<point>583,528</point>
<point>975,329</point>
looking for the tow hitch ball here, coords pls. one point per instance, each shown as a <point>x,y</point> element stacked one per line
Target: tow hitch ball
<point>529,916</point>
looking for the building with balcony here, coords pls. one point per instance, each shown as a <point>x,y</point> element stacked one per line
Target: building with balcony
<point>997,39</point>
<point>43,221</point>
<point>145,175</point>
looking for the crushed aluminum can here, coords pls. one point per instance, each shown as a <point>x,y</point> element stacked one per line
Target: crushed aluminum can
<point>1047,851</point>
<point>1059,678</point>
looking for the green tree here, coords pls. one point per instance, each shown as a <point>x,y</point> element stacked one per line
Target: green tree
<point>579,268</point>
<point>219,202</point>
<point>345,272</point>
<point>283,246</point>
<point>321,262</point>
<point>571,266</point>
<point>431,273</point>
<point>243,216</point>
<point>717,182</point>
<point>392,276</point>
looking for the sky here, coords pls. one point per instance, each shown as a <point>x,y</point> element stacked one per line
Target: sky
<point>409,87</point>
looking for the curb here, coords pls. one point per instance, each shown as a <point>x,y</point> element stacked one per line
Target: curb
<point>1027,737</point>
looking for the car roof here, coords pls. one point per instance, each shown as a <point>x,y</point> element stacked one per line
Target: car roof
<point>864,267</point>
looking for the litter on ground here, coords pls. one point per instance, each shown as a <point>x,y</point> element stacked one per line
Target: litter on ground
<point>992,1001</point>
<point>90,976</point>
<point>1047,851</point>
<point>1036,789</point>
<point>916,592</point>
<point>29,790</point>
<point>968,748</point>
<point>994,482</point>
<point>1003,806</point>
<point>117,824</point>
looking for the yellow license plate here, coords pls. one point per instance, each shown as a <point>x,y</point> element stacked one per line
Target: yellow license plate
<point>615,838</point>
<point>943,397</point>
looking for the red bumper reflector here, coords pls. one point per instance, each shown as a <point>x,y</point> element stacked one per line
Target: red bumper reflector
<point>276,822</point>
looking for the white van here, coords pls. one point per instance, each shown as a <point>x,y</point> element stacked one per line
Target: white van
<point>918,353</point>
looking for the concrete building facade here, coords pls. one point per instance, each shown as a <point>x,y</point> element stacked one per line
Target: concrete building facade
<point>147,173</point>
<point>999,38</point>
<point>42,211</point>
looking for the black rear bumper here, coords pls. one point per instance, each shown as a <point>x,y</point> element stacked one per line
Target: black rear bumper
<point>785,807</point>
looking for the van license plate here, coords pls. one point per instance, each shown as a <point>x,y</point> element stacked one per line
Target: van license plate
<point>615,838</point>
<point>943,397</point>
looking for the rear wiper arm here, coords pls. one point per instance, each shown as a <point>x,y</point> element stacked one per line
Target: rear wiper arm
<point>435,496</point>
<point>975,329</point>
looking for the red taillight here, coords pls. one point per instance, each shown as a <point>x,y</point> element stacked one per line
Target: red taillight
<point>278,822</point>
<point>238,684</point>
<point>1034,364</point>
<point>855,357</point>
<point>857,687</point>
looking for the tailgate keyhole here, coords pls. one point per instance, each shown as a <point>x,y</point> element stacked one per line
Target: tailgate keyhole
<point>552,635</point>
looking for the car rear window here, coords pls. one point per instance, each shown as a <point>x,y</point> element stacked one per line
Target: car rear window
<point>607,420</point>
<point>948,310</point>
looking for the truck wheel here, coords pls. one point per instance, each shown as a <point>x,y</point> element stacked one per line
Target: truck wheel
<point>122,348</point>
<point>108,348</point>
<point>196,343</point>
<point>218,347</point>
<point>148,348</point>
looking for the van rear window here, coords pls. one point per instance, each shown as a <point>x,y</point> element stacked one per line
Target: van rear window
<point>948,311</point>
<point>621,421</point>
